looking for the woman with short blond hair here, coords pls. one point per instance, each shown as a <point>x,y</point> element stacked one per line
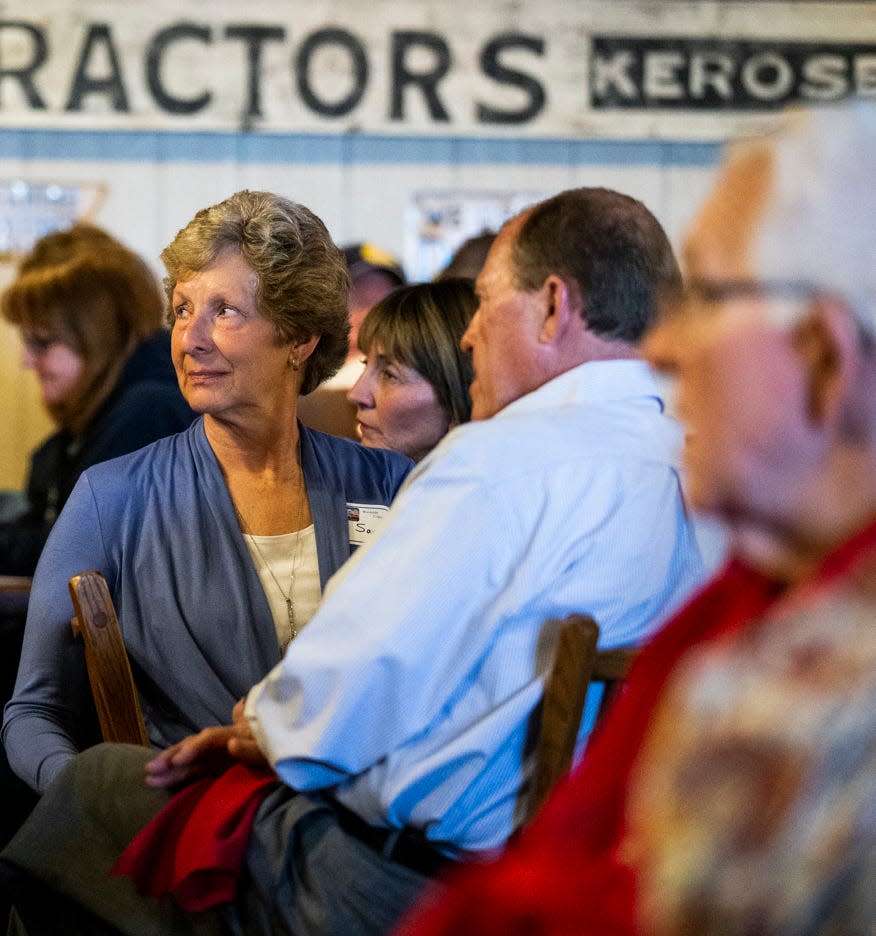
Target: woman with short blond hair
<point>217,542</point>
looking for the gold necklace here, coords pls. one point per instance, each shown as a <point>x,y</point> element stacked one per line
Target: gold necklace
<point>287,595</point>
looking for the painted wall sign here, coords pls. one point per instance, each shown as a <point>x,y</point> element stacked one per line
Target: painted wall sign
<point>701,69</point>
<point>695,74</point>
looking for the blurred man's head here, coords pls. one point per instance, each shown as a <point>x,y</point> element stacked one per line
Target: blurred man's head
<point>772,344</point>
<point>574,279</point>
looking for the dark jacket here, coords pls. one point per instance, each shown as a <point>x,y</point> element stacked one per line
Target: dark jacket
<point>145,405</point>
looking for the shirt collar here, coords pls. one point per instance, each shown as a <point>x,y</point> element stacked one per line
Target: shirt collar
<point>592,382</point>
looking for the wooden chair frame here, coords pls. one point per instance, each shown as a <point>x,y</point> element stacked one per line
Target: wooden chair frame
<point>563,704</point>
<point>109,670</point>
<point>577,664</point>
<point>611,667</point>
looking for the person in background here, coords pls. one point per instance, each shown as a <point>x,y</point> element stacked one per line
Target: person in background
<point>731,788</point>
<point>414,387</point>
<point>57,246</point>
<point>374,273</point>
<point>90,314</point>
<point>397,733</point>
<point>469,258</point>
<point>216,542</point>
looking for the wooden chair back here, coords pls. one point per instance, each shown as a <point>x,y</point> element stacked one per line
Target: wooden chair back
<point>14,595</point>
<point>611,667</point>
<point>577,664</point>
<point>563,704</point>
<point>109,671</point>
<point>14,592</point>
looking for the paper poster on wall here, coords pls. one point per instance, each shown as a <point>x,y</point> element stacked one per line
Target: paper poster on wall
<point>29,209</point>
<point>439,221</point>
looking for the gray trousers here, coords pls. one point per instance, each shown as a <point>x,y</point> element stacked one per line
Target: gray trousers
<point>304,876</point>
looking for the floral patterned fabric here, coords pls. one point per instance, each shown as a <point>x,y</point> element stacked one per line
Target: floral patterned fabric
<point>753,805</point>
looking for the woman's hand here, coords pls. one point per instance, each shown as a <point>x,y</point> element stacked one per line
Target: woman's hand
<point>207,753</point>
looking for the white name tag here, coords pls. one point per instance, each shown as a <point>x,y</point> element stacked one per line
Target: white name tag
<point>364,520</point>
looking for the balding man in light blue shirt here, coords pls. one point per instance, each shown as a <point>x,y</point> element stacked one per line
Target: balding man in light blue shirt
<point>407,702</point>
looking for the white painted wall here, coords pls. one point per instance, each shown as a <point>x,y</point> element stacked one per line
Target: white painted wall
<point>363,196</point>
<point>360,173</point>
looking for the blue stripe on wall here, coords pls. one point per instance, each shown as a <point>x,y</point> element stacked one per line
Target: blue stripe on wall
<point>155,146</point>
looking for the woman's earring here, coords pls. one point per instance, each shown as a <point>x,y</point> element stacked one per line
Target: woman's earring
<point>295,363</point>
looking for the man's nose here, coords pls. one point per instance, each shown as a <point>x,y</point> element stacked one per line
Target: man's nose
<point>467,340</point>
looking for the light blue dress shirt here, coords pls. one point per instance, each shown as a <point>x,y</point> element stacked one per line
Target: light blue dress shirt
<point>410,693</point>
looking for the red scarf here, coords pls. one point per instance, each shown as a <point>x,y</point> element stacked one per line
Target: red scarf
<point>195,847</point>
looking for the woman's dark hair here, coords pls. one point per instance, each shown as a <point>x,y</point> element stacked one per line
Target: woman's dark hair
<point>420,326</point>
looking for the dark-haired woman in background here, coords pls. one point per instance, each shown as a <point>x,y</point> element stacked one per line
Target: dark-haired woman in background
<point>414,388</point>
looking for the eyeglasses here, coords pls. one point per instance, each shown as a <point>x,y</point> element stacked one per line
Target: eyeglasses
<point>704,295</point>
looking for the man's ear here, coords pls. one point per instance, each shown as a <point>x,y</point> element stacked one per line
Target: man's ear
<point>560,304</point>
<point>827,340</point>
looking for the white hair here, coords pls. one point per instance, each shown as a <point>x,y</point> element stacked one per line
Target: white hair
<point>819,224</point>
